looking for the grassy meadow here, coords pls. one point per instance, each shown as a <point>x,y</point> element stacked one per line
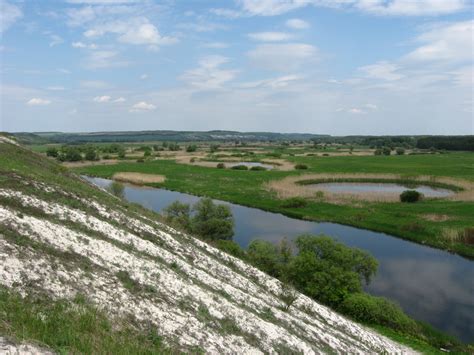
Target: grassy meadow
<point>408,221</point>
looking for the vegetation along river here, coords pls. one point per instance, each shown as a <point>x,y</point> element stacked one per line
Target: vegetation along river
<point>431,285</point>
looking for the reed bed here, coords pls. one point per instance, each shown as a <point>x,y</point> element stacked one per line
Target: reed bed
<point>297,186</point>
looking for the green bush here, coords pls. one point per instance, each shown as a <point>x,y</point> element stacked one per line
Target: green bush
<point>378,152</point>
<point>386,151</point>
<point>258,168</point>
<point>329,271</point>
<point>178,214</point>
<point>212,221</point>
<point>410,196</point>
<point>301,166</point>
<point>376,310</point>
<point>52,152</point>
<point>240,167</point>
<point>400,151</point>
<point>232,248</point>
<point>191,148</point>
<point>264,255</point>
<point>116,189</point>
<point>294,202</point>
<point>220,166</point>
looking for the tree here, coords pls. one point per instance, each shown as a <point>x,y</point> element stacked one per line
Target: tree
<point>329,271</point>
<point>386,151</point>
<point>212,221</point>
<point>214,148</point>
<point>400,151</point>
<point>264,255</point>
<point>178,214</point>
<point>121,153</point>
<point>191,148</point>
<point>52,152</point>
<point>91,154</point>
<point>70,154</point>
<point>116,189</point>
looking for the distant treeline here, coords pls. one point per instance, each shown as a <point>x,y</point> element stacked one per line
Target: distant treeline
<point>447,142</point>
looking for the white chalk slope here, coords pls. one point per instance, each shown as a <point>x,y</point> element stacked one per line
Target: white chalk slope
<point>194,294</point>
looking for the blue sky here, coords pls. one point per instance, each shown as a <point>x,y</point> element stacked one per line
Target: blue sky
<point>322,66</point>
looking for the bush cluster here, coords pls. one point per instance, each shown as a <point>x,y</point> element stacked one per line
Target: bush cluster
<point>410,196</point>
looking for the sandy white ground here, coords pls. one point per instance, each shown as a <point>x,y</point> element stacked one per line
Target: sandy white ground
<point>180,277</point>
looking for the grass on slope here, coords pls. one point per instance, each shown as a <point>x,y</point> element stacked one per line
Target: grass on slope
<point>403,220</point>
<point>73,327</point>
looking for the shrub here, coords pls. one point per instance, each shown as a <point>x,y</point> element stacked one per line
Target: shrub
<point>240,167</point>
<point>192,160</point>
<point>91,154</point>
<point>378,152</point>
<point>52,152</point>
<point>70,154</point>
<point>386,151</point>
<point>264,255</point>
<point>121,153</point>
<point>214,148</point>
<point>140,160</point>
<point>212,221</point>
<point>116,189</point>
<point>294,202</point>
<point>325,154</point>
<point>301,166</point>
<point>324,261</point>
<point>220,166</point>
<point>376,310</point>
<point>178,214</point>
<point>400,151</point>
<point>191,148</point>
<point>232,248</point>
<point>410,196</point>
<point>258,168</point>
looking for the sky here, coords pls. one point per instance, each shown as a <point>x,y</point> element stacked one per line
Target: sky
<point>340,67</point>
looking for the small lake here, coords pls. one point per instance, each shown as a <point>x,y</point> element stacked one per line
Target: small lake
<point>249,165</point>
<point>382,188</point>
<point>431,285</point>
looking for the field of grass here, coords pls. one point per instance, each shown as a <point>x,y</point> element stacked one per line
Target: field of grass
<point>403,220</point>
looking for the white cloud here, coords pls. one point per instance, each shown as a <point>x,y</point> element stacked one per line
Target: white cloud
<point>55,40</point>
<point>233,14</point>
<point>276,83</point>
<point>382,70</point>
<point>282,57</point>
<point>216,45</point>
<point>102,2</point>
<point>93,84</point>
<point>356,111</point>
<point>411,7</point>
<point>137,31</point>
<point>35,101</point>
<point>9,14</point>
<point>83,45</point>
<point>448,42</point>
<point>120,99</point>
<point>143,76</point>
<point>376,7</point>
<point>270,36</point>
<point>208,75</point>
<point>297,24</point>
<point>142,106</point>
<point>55,88</point>
<point>103,59</point>
<point>102,99</point>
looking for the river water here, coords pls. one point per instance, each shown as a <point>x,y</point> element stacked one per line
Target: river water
<point>430,284</point>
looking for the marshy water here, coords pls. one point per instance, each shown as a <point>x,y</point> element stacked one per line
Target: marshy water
<point>378,188</point>
<point>431,285</point>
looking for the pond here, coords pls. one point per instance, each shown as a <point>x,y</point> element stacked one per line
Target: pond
<point>249,164</point>
<point>431,285</point>
<point>381,188</point>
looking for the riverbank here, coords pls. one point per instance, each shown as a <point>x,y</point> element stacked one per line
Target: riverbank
<point>414,222</point>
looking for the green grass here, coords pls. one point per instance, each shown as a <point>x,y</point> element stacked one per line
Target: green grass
<point>402,220</point>
<point>73,327</point>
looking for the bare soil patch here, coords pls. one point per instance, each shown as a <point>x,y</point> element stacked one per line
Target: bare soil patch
<point>138,178</point>
<point>79,164</point>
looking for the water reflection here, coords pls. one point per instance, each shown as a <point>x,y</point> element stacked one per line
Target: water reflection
<point>430,284</point>
<point>364,188</point>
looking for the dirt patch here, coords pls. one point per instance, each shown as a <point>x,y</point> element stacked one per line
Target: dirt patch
<point>139,178</point>
<point>289,187</point>
<point>436,217</point>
